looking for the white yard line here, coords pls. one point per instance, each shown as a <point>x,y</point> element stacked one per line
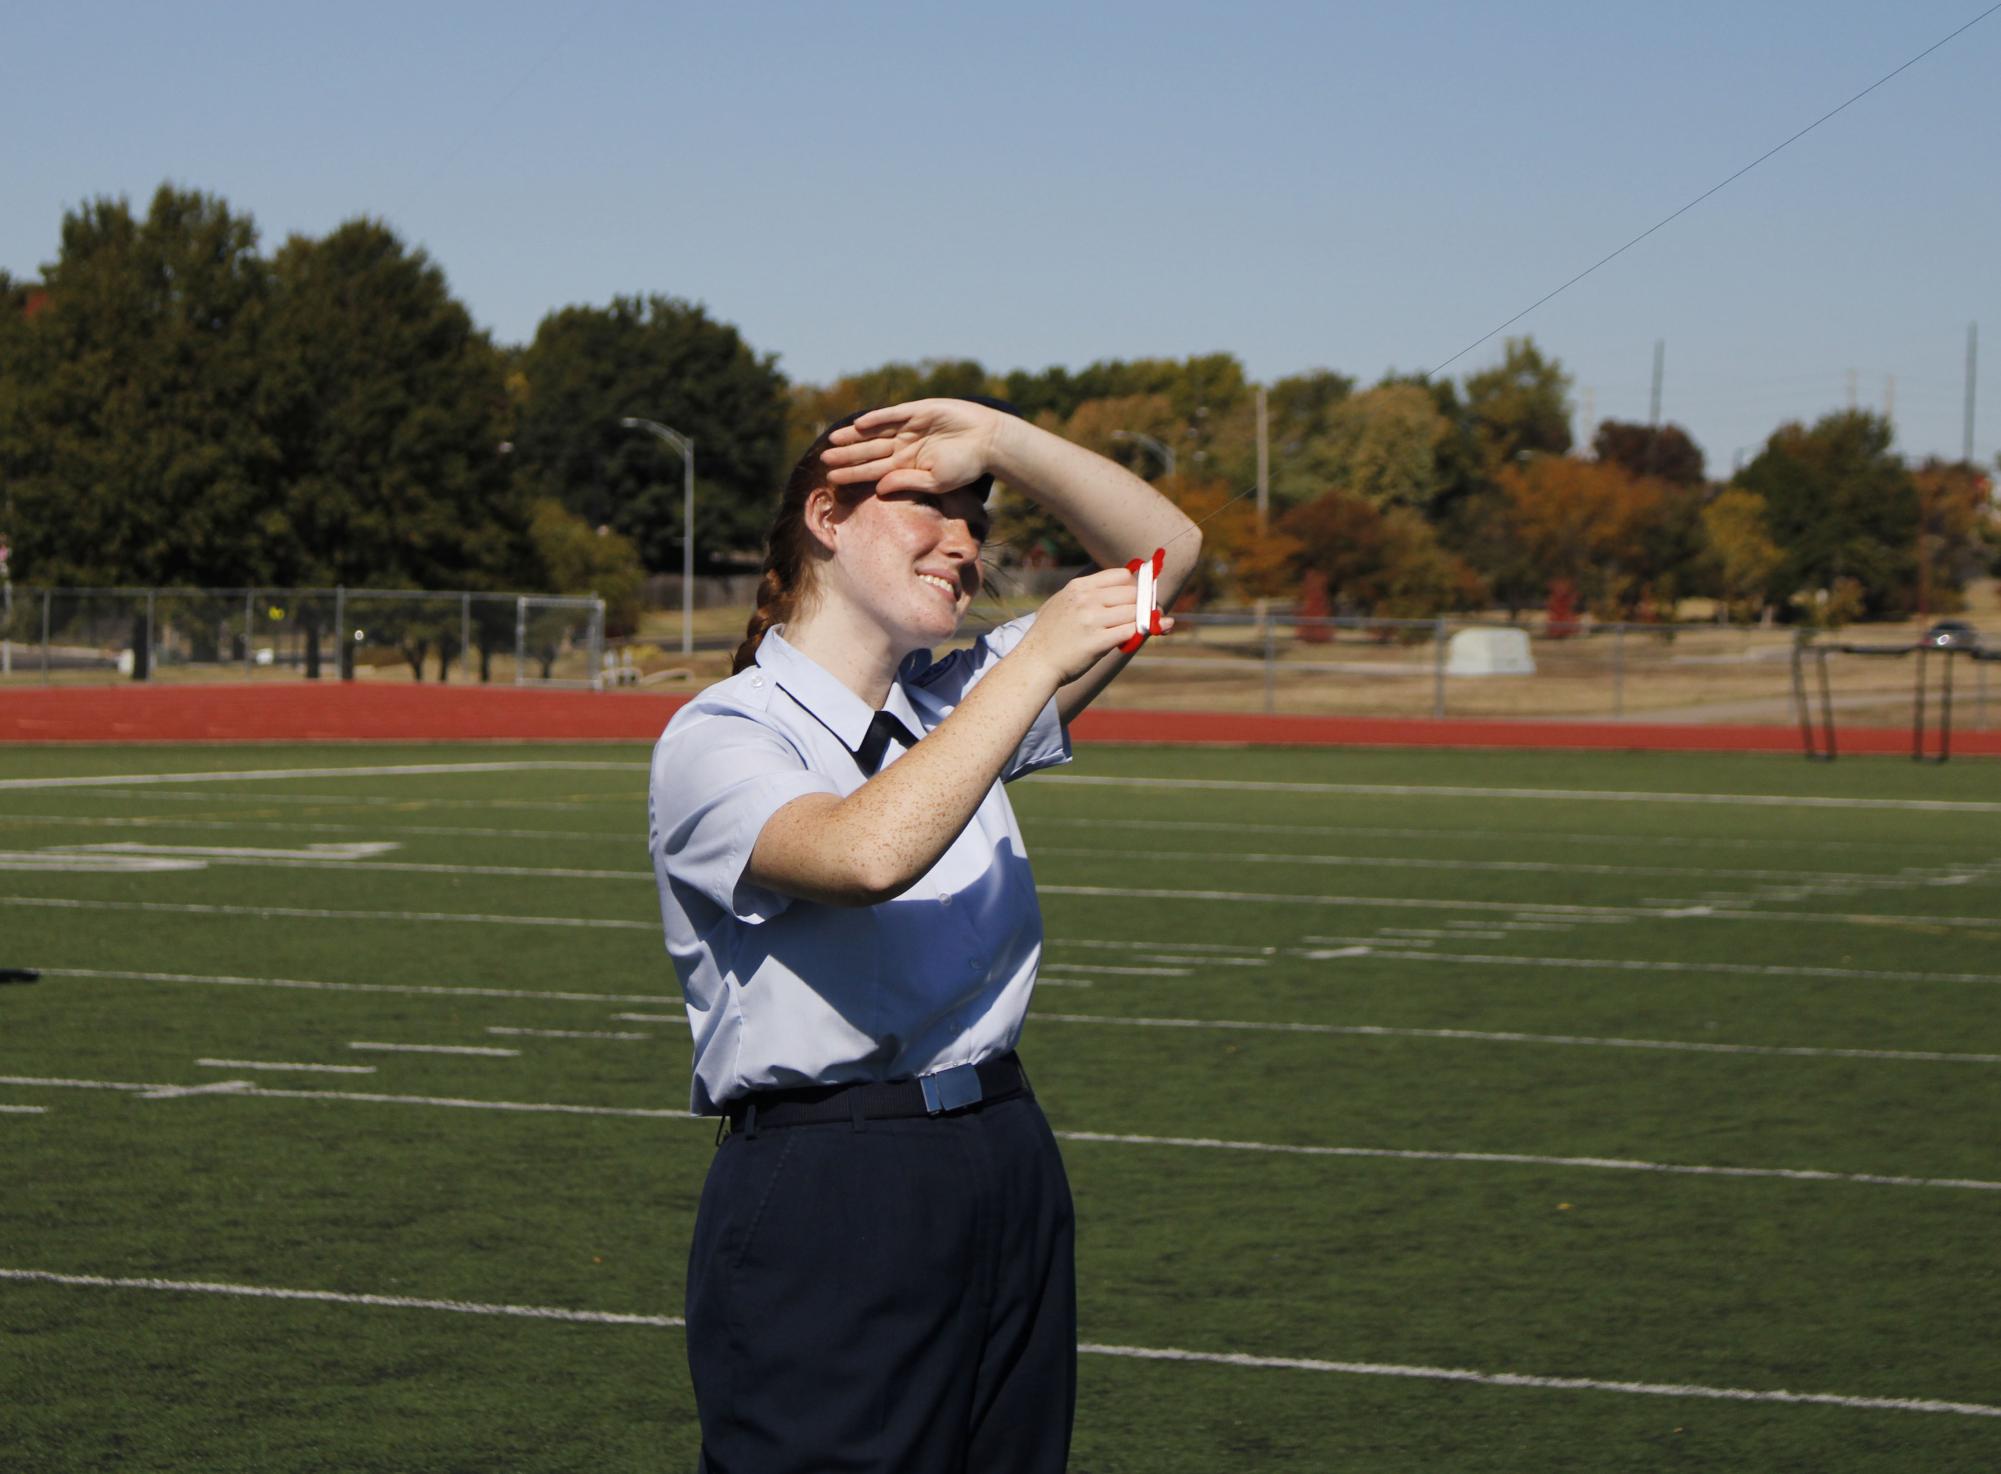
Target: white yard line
<point>1510,837</point>
<point>335,1297</point>
<point>1105,969</point>
<point>565,1033</point>
<point>1136,1353</point>
<point>1524,1159</point>
<point>1642,964</point>
<point>400,770</point>
<point>1665,911</point>
<point>21,1110</point>
<point>272,1064</point>
<point>310,913</point>
<point>314,985</point>
<point>652,1018</point>
<point>1496,1036</point>
<point>1579,795</point>
<point>1936,875</point>
<point>243,1090</point>
<point>361,800</point>
<point>486,1051</point>
<point>316,826</point>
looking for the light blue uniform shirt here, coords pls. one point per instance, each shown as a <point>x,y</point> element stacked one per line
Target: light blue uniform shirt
<point>783,992</point>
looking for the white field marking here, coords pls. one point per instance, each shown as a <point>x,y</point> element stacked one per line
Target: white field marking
<point>651,1018</point>
<point>1524,1159</point>
<point>1043,980</point>
<point>1218,948</point>
<point>1945,875</point>
<point>1631,964</point>
<point>312,826</point>
<point>334,1297</point>
<point>1610,1164</point>
<point>180,1092</point>
<point>21,1110</point>
<point>356,800</point>
<point>1331,954</point>
<point>272,1064</point>
<point>248,1091</point>
<point>319,862</point>
<point>1668,912</point>
<point>1581,795</point>
<point>311,985</point>
<point>1555,1384</point>
<point>1106,969</point>
<point>260,775</point>
<point>316,914</point>
<point>1206,961</point>
<point>64,863</point>
<point>332,854</point>
<point>566,1033</point>
<point>1503,836</point>
<point>487,1051</point>
<point>1482,1036</point>
<point>1413,931</point>
<point>1137,1353</point>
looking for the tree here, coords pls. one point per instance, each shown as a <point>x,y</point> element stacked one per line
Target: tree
<point>1383,445</point>
<point>1521,407</point>
<point>1741,549</point>
<point>577,558</point>
<point>1622,542</point>
<point>1376,560</point>
<point>1839,505</point>
<point>1663,451</point>
<point>664,360</point>
<point>390,409</point>
<point>129,441</point>
<point>1959,531</point>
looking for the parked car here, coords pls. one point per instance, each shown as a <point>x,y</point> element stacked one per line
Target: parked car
<point>1952,634</point>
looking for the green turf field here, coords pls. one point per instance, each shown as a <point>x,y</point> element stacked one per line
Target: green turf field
<point>1628,1090</point>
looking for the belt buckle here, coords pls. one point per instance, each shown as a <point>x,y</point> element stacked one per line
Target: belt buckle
<point>950,1090</point>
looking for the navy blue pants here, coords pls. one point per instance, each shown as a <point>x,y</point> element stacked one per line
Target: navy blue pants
<point>897,1297</point>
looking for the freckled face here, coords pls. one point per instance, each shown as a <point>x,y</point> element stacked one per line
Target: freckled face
<point>912,560</point>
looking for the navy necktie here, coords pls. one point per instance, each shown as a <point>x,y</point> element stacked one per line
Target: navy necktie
<point>882,726</point>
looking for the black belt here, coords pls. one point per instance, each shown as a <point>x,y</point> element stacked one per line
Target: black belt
<point>959,1088</point>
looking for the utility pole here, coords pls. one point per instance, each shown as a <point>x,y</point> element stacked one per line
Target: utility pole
<point>1890,398</point>
<point>686,446</point>
<point>1264,464</point>
<point>1972,357</point>
<point>1851,389</point>
<point>1660,358</point>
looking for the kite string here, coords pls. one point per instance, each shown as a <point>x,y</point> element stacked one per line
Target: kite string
<point>1712,190</point>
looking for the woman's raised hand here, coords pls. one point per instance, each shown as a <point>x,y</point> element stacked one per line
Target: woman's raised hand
<point>931,445</point>
<point>1083,621</point>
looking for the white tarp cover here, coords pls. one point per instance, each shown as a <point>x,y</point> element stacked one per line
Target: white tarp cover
<point>1489,652</point>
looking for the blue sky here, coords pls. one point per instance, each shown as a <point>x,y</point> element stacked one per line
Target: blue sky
<point>1344,186</point>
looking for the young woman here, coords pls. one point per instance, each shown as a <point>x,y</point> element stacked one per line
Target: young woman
<point>881,1276</point>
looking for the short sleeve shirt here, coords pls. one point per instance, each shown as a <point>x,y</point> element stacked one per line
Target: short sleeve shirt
<point>783,992</point>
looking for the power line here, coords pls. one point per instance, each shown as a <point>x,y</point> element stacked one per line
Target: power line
<point>1712,190</point>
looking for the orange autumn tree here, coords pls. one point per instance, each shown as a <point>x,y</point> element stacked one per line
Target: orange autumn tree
<point>1619,539</point>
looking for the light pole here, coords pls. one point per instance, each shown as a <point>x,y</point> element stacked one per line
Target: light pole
<point>1164,451</point>
<point>686,446</point>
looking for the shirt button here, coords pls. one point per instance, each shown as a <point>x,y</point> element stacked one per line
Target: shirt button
<point>975,965</point>
<point>757,680</point>
<point>944,900</point>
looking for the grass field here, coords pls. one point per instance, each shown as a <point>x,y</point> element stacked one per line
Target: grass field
<point>1481,1112</point>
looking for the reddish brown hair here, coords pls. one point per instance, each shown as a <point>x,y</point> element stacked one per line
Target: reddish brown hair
<point>788,556</point>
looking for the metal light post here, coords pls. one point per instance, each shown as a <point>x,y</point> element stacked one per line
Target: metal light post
<point>1165,452</point>
<point>686,446</point>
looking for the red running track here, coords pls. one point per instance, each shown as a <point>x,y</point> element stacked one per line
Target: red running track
<point>385,712</point>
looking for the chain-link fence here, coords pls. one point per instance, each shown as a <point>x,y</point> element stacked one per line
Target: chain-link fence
<point>93,635</point>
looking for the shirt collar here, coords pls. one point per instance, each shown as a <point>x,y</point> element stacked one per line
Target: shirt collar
<point>830,703</point>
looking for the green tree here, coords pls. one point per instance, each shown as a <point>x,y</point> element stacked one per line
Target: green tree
<point>1741,549</point>
<point>664,360</point>
<point>576,558</point>
<point>1839,505</point>
<point>130,445</point>
<point>1521,407</point>
<point>391,412</point>
<point>1663,451</point>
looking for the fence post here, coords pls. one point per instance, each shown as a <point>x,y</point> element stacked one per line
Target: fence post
<point>47,596</point>
<point>249,613</point>
<point>520,640</point>
<point>1619,669</point>
<point>151,653</point>
<point>597,645</point>
<point>1438,668</point>
<point>465,637</point>
<point>343,646</point>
